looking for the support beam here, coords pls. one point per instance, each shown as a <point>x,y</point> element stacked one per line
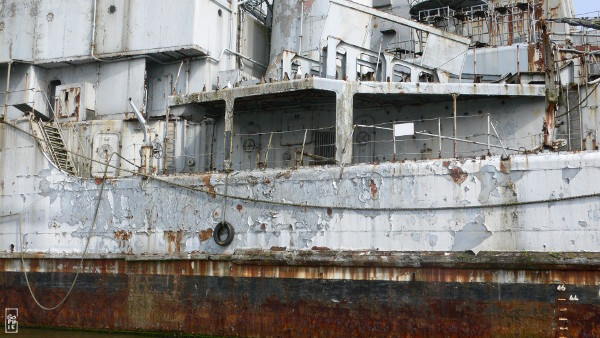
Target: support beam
<point>331,57</point>
<point>552,92</point>
<point>454,96</point>
<point>228,141</point>
<point>350,70</point>
<point>344,119</point>
<point>7,90</point>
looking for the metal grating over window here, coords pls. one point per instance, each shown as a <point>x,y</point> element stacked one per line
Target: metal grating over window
<point>324,147</point>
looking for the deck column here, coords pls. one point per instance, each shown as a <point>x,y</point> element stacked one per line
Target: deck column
<point>228,142</point>
<point>344,119</point>
<point>331,68</point>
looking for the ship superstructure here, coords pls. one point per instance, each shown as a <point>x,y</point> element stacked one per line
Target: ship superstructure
<point>339,167</point>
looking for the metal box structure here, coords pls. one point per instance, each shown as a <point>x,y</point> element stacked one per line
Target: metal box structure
<point>75,102</point>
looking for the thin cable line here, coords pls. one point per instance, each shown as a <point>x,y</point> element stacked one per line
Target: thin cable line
<point>306,205</point>
<point>82,255</point>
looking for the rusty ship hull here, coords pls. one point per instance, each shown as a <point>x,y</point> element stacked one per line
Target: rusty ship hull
<point>326,168</point>
<point>308,294</point>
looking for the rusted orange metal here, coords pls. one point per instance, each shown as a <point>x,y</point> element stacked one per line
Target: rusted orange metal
<point>548,128</point>
<point>254,295</point>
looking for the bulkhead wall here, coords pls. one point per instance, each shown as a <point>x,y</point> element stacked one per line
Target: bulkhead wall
<point>525,203</point>
<point>53,31</point>
<point>298,26</point>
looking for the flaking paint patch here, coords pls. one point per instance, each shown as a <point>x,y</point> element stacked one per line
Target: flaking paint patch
<point>594,215</point>
<point>471,235</point>
<point>433,240</point>
<point>374,190</point>
<point>166,208</point>
<point>123,238</point>
<point>569,173</point>
<point>458,175</point>
<point>205,235</point>
<point>491,179</point>
<point>211,188</point>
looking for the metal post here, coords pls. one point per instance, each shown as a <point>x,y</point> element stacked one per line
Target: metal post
<point>474,64</point>
<point>301,24</point>
<point>394,140</point>
<point>268,147</point>
<point>146,153</point>
<point>174,91</point>
<point>454,115</point>
<point>568,118</point>
<point>518,66</point>
<point>166,140</point>
<point>526,23</point>
<point>7,89</point>
<point>228,134</point>
<point>303,143</point>
<point>26,86</point>
<point>33,107</point>
<point>499,140</point>
<point>586,69</point>
<point>295,159</point>
<point>440,135</point>
<point>580,120</point>
<point>187,76</point>
<point>488,135</point>
<point>377,64</point>
<point>166,137</point>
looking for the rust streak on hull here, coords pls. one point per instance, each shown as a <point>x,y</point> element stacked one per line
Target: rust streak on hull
<point>222,296</point>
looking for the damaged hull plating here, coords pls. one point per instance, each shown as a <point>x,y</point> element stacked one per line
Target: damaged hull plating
<point>439,205</point>
<point>257,168</point>
<point>454,258</point>
<point>153,265</point>
<point>315,293</point>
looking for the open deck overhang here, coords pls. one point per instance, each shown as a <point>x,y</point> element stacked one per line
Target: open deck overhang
<point>222,102</point>
<point>346,88</point>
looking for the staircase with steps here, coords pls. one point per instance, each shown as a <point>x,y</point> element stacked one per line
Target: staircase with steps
<point>55,146</point>
<point>170,148</point>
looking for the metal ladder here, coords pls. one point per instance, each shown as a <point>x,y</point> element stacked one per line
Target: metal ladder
<point>574,121</point>
<point>56,148</point>
<point>170,148</point>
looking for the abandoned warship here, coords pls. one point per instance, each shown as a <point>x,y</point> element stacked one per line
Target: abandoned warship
<point>301,167</point>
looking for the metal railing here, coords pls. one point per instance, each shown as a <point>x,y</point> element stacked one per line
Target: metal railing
<point>429,141</point>
<point>491,24</point>
<point>592,14</point>
<point>80,162</point>
<point>436,14</point>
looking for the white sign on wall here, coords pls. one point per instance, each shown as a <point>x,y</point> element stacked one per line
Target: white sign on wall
<point>404,129</point>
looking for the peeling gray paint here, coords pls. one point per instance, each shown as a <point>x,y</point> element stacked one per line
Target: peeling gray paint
<point>471,235</point>
<point>569,173</point>
<point>491,179</point>
<point>433,240</point>
<point>147,216</point>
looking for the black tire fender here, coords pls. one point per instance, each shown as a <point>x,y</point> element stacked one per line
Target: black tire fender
<point>218,232</point>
